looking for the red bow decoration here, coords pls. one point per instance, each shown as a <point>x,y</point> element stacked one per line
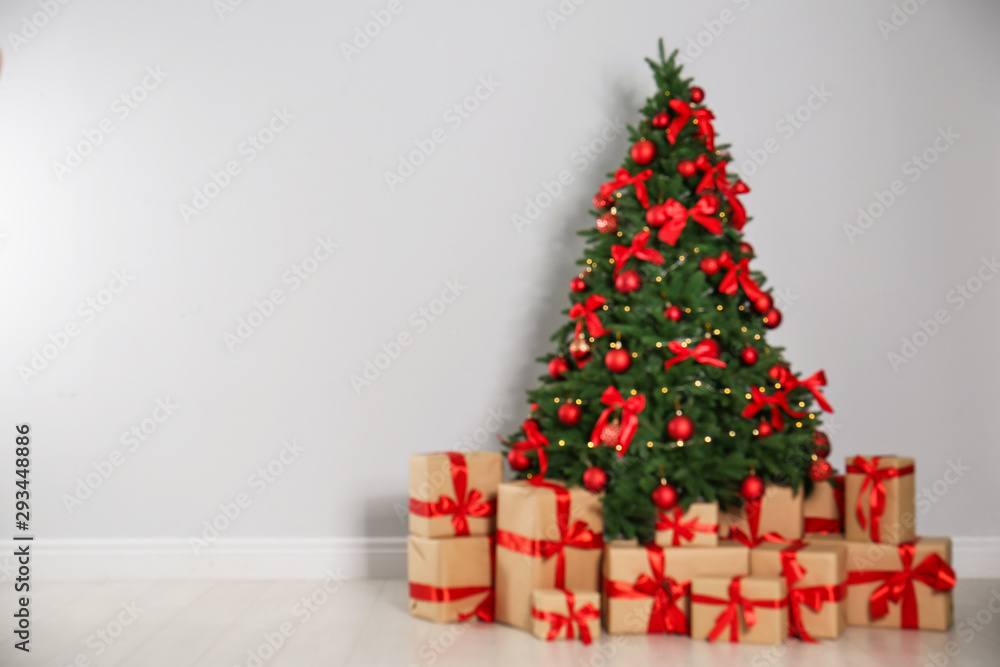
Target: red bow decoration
<point>876,496</point>
<point>463,505</point>
<point>665,591</point>
<point>623,178</point>
<point>738,274</point>
<point>898,588</point>
<point>702,117</point>
<point>812,383</point>
<point>536,441</point>
<point>578,536</point>
<point>630,416</point>
<point>581,617</point>
<point>737,608</point>
<point>813,596</point>
<point>703,354</point>
<point>638,249</point>
<point>777,402</point>
<point>584,312</point>
<point>428,593</point>
<point>676,217</point>
<point>683,531</point>
<point>715,179</point>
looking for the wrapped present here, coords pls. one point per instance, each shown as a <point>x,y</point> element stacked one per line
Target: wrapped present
<point>741,609</point>
<point>451,578</point>
<point>697,527</point>
<point>815,575</point>
<point>548,536</point>
<point>646,587</point>
<point>823,509</point>
<point>777,514</point>
<point>900,586</point>
<point>453,494</point>
<point>557,613</point>
<point>880,497</point>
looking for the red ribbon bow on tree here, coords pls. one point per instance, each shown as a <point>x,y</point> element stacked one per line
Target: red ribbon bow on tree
<point>738,274</point>
<point>665,591</point>
<point>874,477</point>
<point>715,179</point>
<point>463,505</point>
<point>584,312</point>
<point>704,212</point>
<point>580,617</point>
<point>812,383</point>
<point>638,249</point>
<point>702,117</point>
<point>630,416</point>
<point>737,608</point>
<point>623,178</point>
<point>701,353</point>
<point>897,587</point>
<point>683,531</point>
<point>777,402</point>
<point>536,441</point>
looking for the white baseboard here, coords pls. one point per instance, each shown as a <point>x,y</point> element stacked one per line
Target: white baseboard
<point>278,558</point>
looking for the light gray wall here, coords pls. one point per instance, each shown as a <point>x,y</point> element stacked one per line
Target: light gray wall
<point>555,87</point>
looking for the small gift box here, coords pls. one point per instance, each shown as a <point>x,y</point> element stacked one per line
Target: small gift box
<point>815,575</point>
<point>557,613</point>
<point>646,587</point>
<point>697,527</point>
<point>548,536</point>
<point>880,498</point>
<point>823,509</point>
<point>778,513</point>
<point>451,579</point>
<point>740,609</point>
<point>453,494</point>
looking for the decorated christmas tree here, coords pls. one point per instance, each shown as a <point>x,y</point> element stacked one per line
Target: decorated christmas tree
<point>663,389</point>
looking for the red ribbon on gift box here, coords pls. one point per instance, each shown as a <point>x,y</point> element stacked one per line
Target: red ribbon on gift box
<point>824,525</point>
<point>580,617</point>
<point>875,478</point>
<point>466,502</point>
<point>428,593</point>
<point>752,508</point>
<point>666,592</point>
<point>683,530</point>
<point>737,607</point>
<point>898,586</point>
<point>577,535</point>
<point>812,596</point>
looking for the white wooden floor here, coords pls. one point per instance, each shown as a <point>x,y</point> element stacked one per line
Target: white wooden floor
<point>365,623</point>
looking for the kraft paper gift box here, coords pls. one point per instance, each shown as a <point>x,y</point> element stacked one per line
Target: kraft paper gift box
<point>823,509</point>
<point>696,527</point>
<point>557,613</point>
<point>453,494</point>
<point>889,482</point>
<point>779,511</point>
<point>815,575</point>
<point>451,579</point>
<point>721,609</point>
<point>646,588</point>
<point>548,536</point>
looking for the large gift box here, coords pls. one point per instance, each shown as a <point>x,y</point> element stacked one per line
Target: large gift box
<point>646,587</point>
<point>558,613</point>
<point>815,574</point>
<point>880,500</point>
<point>451,579</point>
<point>548,536</point>
<point>739,609</point>
<point>823,509</point>
<point>696,527</point>
<point>453,494</point>
<point>778,513</point>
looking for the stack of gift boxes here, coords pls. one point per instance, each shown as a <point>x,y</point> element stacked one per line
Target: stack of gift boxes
<point>781,565</point>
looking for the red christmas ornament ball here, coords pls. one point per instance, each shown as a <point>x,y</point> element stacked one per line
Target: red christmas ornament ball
<point>594,479</point>
<point>661,119</point>
<point>820,470</point>
<point>610,434</point>
<point>607,223</point>
<point>697,94</point>
<point>749,356</point>
<point>618,360</point>
<point>752,488</point>
<point>601,202</point>
<point>763,303</point>
<point>533,407</point>
<point>557,366</point>
<point>673,313</point>
<point>746,248</point>
<point>628,281</point>
<point>578,284</point>
<point>656,216</point>
<point>821,444</point>
<point>569,414</point>
<point>680,428</point>
<point>710,265</point>
<point>643,151</point>
<point>772,318</point>
<point>664,497</point>
<point>708,346</point>
<point>517,460</point>
<point>776,371</point>
<point>686,168</point>
<point>764,429</point>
